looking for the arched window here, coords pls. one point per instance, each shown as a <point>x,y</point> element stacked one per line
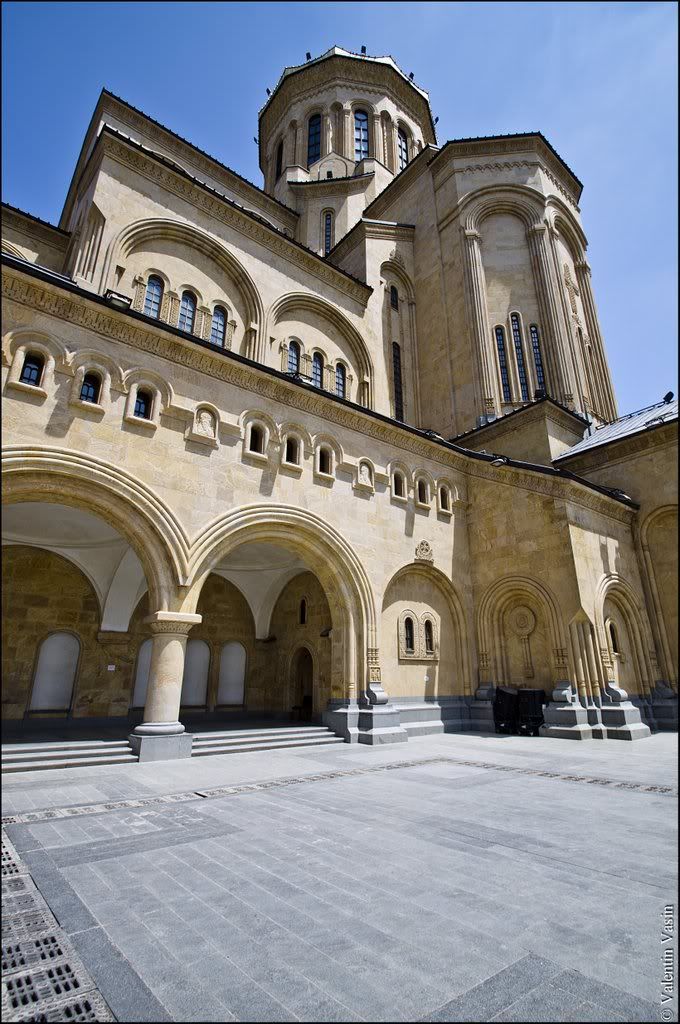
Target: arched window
<point>142,674</point>
<point>519,354</point>
<point>317,370</point>
<point>279,160</point>
<point>613,636</point>
<point>218,327</point>
<point>398,390</point>
<point>313,139</point>
<point>143,404</point>
<point>360,135</point>
<point>55,673</point>
<point>153,297</point>
<point>256,439</point>
<point>538,359</point>
<point>422,492</point>
<point>503,364</point>
<point>187,312</point>
<point>402,147</point>
<point>231,686</point>
<point>429,637</point>
<point>340,380</point>
<point>32,370</point>
<point>293,451</point>
<point>303,612</point>
<point>399,485</point>
<point>409,636</point>
<point>90,389</point>
<point>394,297</point>
<point>293,357</point>
<point>444,502</point>
<point>327,232</point>
<point>325,461</point>
<point>195,678</point>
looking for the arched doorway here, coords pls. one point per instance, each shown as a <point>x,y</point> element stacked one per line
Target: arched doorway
<point>302,684</point>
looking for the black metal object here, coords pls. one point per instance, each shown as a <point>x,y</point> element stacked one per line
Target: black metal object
<point>530,711</point>
<point>505,709</point>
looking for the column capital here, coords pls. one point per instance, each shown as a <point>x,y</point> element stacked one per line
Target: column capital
<point>581,265</point>
<point>172,622</point>
<point>472,235</point>
<point>538,229</point>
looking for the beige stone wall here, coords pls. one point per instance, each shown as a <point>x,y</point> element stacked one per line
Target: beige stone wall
<point>292,635</point>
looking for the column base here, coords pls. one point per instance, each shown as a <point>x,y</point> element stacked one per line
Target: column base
<point>342,718</point>
<point>380,724</point>
<point>566,722</point>
<point>623,722</point>
<point>159,746</point>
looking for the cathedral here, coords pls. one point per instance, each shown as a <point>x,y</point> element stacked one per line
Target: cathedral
<point>343,448</point>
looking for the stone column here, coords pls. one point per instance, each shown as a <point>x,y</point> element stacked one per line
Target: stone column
<point>376,125</point>
<point>325,134</point>
<point>475,292</point>
<point>348,133</point>
<point>161,736</point>
<point>559,379</point>
<point>299,141</point>
<point>597,346</point>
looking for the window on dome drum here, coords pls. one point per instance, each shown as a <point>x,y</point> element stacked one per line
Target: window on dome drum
<point>32,370</point>
<point>256,440</point>
<point>90,389</point>
<point>402,143</point>
<point>538,359</point>
<point>327,233</point>
<point>218,327</point>
<point>399,485</point>
<point>503,364</point>
<point>340,380</point>
<point>143,404</point>
<point>398,390</point>
<point>394,298</point>
<point>313,139</point>
<point>317,370</point>
<point>303,612</point>
<point>409,636</point>
<point>422,492</point>
<point>444,498</point>
<point>429,637</point>
<point>293,357</point>
<point>360,135</point>
<point>292,451</point>
<point>279,160</point>
<point>153,297</point>
<point>325,461</point>
<point>519,354</point>
<point>187,312</point>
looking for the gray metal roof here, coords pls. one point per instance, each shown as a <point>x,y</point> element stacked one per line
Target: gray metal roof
<point>633,423</point>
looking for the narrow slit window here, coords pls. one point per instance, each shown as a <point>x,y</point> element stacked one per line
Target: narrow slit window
<point>444,499</point>
<point>538,358</point>
<point>399,485</point>
<point>292,451</point>
<point>256,440</point>
<point>398,388</point>
<point>303,612</point>
<point>32,370</point>
<point>340,380</point>
<point>293,357</point>
<point>325,461</point>
<point>90,389</point>
<point>317,370</point>
<point>503,364</point>
<point>360,135</point>
<point>394,297</point>
<point>327,232</point>
<point>153,297</point>
<point>519,355</point>
<point>429,637</point>
<point>313,139</point>
<point>422,492</point>
<point>402,141</point>
<point>409,636</point>
<point>187,312</point>
<point>614,639</point>
<point>218,327</point>
<point>143,404</point>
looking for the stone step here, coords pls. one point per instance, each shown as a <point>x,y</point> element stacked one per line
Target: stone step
<point>208,738</point>
<point>87,746</point>
<point>68,762</point>
<point>264,744</point>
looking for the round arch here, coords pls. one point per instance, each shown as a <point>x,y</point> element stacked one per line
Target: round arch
<point>326,553</point>
<point>618,591</point>
<point>519,200</point>
<point>158,227</point>
<point>70,478</point>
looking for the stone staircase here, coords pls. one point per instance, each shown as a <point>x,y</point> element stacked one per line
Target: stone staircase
<point>36,757</point>
<point>234,741</point>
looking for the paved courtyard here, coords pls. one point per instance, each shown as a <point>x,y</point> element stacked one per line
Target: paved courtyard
<point>346,884</point>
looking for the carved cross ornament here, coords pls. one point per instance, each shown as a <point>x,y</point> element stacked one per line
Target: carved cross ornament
<point>424,552</point>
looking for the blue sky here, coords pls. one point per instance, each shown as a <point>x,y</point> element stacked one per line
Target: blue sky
<point>598,79</point>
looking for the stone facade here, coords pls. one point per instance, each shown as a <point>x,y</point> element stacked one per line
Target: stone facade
<point>219,405</point>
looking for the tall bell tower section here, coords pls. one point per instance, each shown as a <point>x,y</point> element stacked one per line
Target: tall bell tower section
<point>334,133</point>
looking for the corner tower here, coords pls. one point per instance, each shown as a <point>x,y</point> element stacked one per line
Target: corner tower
<point>333,134</point>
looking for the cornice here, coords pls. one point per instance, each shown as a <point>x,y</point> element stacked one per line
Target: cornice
<point>175,180</point>
<point>332,186</point>
<point>26,222</point>
<point>365,229</point>
<point>622,448</point>
<point>89,312</point>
